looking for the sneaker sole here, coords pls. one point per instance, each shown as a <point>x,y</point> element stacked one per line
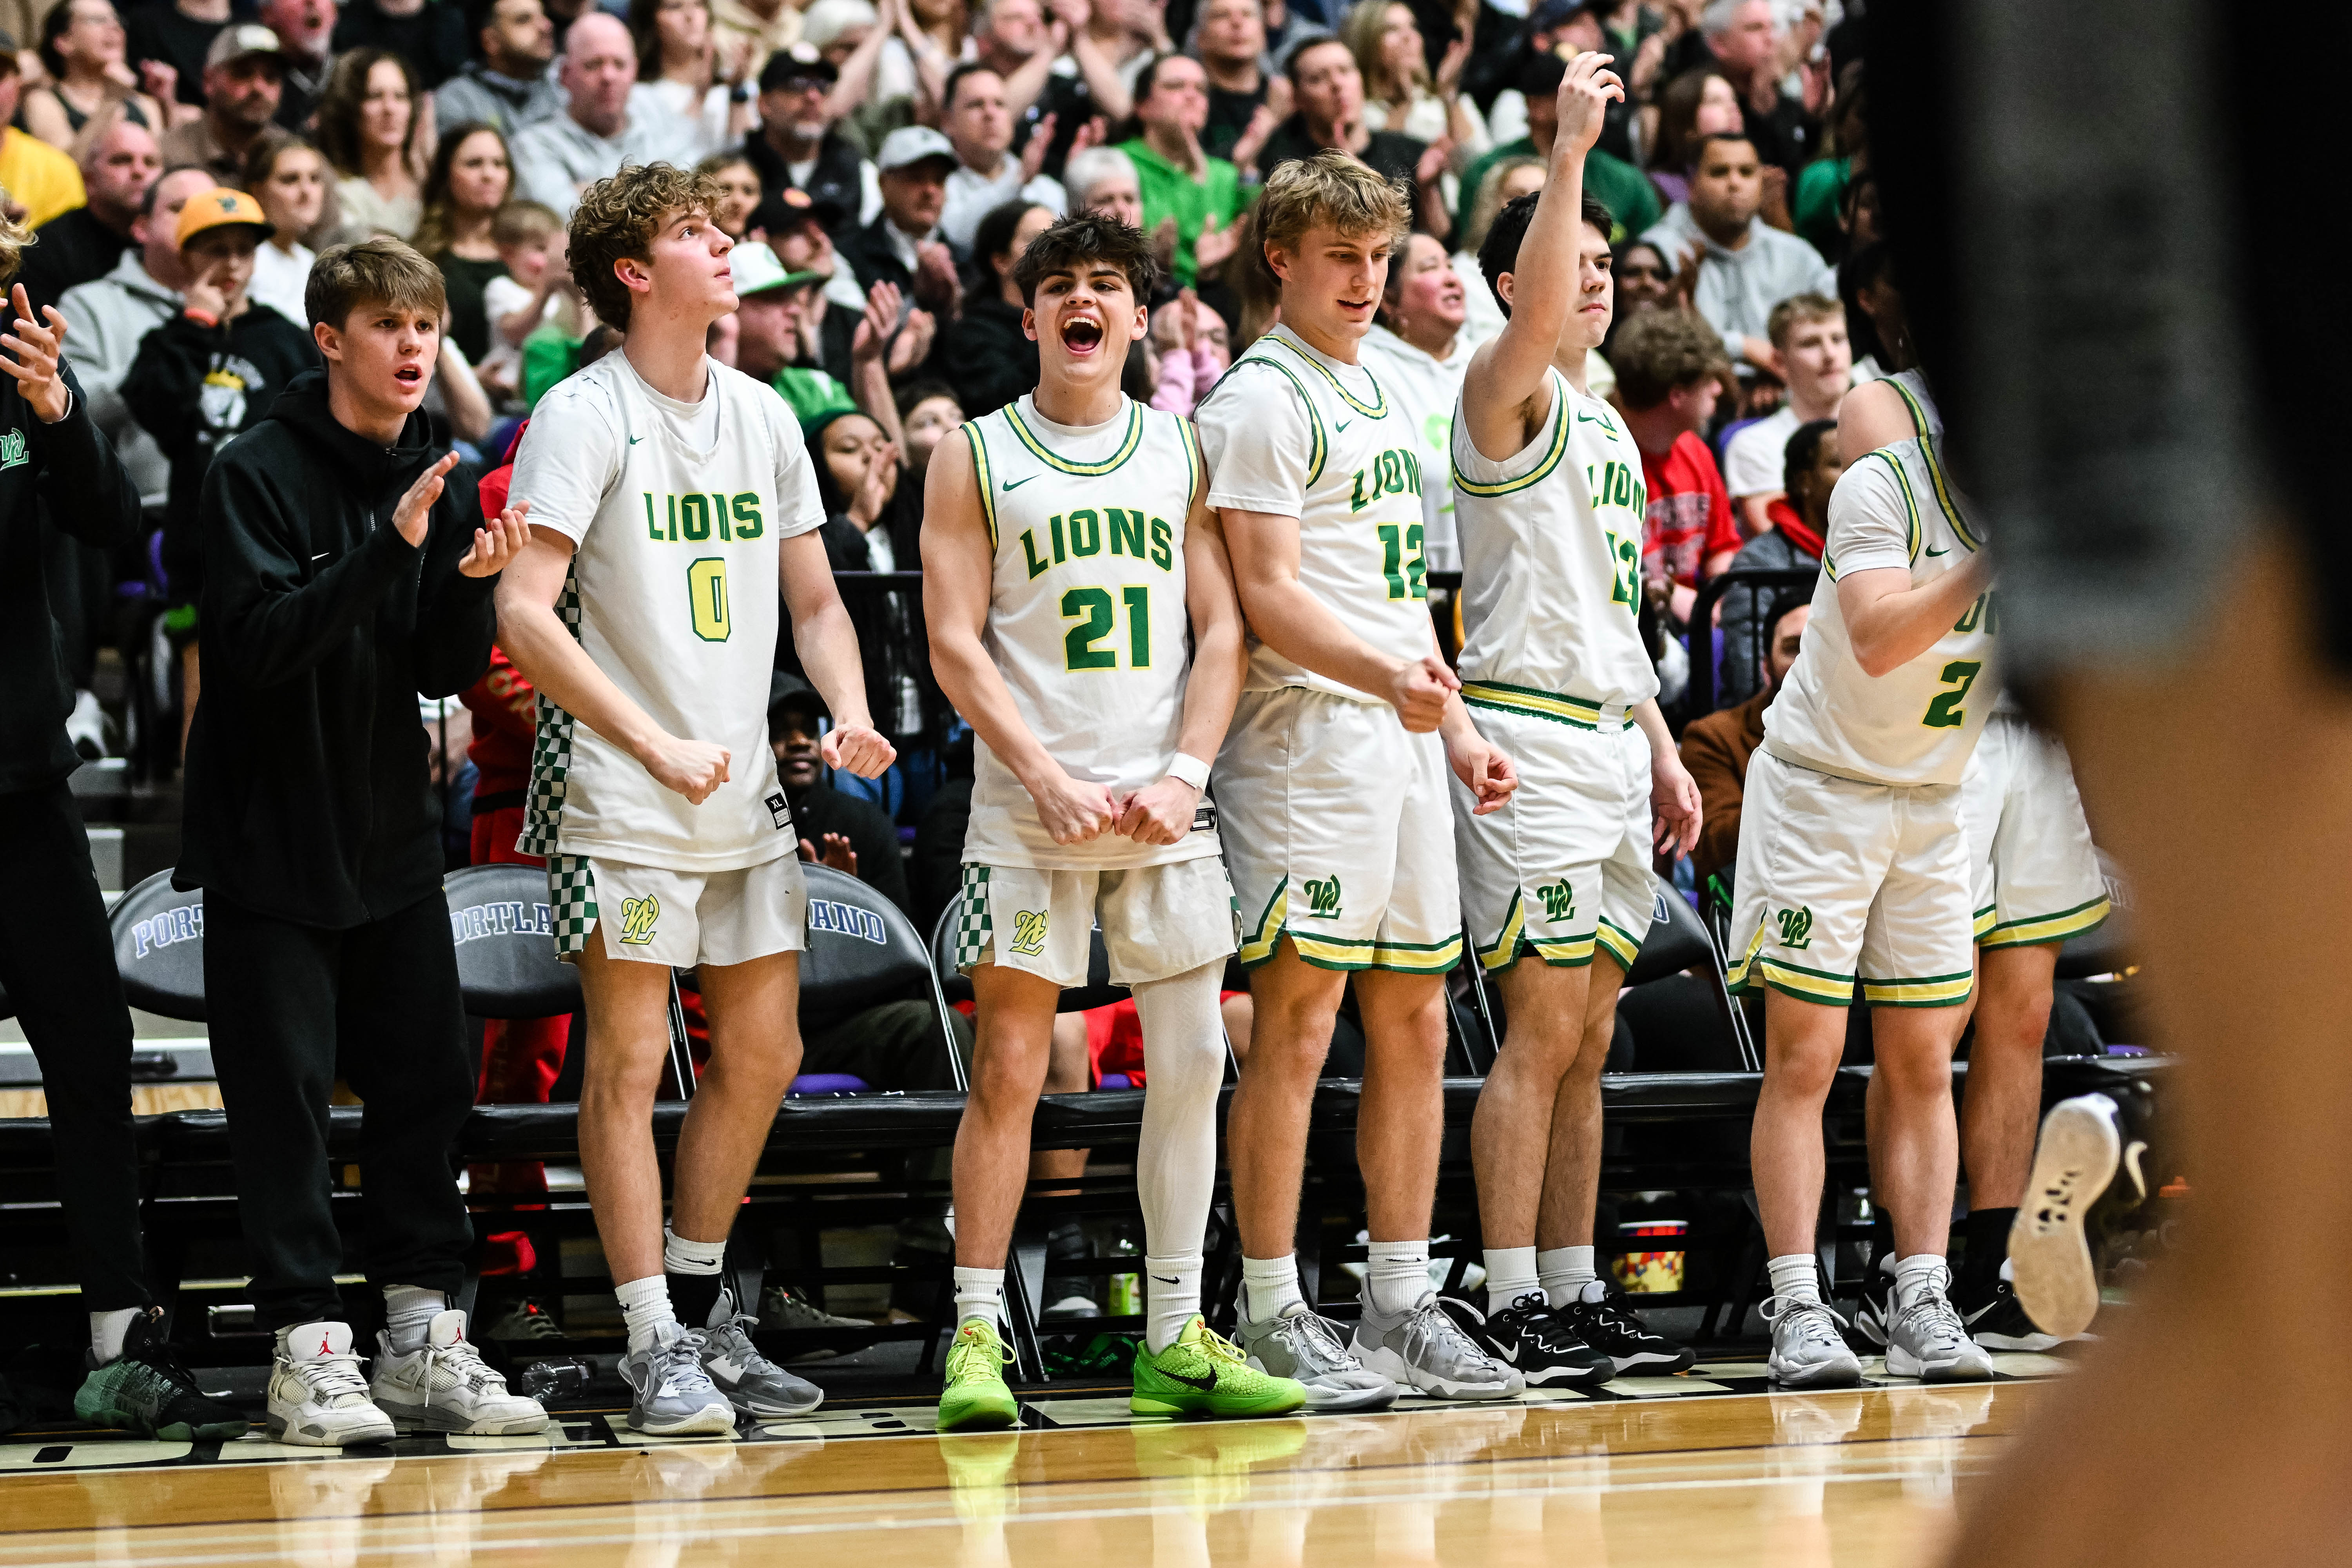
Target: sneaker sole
<point>1901,1365</point>
<point>1346,1400</point>
<point>2050,1256</point>
<point>1404,1375</point>
<point>1655,1364</point>
<point>711,1421</point>
<point>2035,1344</point>
<point>280,1430</point>
<point>407,1418</point>
<point>1827,1374</point>
<point>986,1418</point>
<point>764,1412</point>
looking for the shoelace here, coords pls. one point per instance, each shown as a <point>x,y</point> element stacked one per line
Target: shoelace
<point>1430,1324</point>
<point>1813,1320</point>
<point>1932,1322</point>
<point>1307,1331</point>
<point>734,1338</point>
<point>1218,1347</point>
<point>1609,1312</point>
<point>332,1377</point>
<point>465,1365</point>
<point>968,1357</point>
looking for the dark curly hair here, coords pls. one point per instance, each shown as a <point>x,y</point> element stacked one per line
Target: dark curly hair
<point>1087,237</point>
<point>618,216</point>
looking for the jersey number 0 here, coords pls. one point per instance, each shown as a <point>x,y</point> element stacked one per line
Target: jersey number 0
<point>706,592</point>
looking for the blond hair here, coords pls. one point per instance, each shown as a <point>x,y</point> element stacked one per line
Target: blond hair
<point>618,216</point>
<point>380,270</point>
<point>1794,312</point>
<point>1330,190</point>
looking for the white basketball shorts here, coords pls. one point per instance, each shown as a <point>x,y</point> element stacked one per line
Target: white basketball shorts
<point>1157,921</point>
<point>2036,875</point>
<point>678,918</point>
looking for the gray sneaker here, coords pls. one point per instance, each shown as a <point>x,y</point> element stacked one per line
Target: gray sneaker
<point>1807,1352</point>
<point>1297,1343</point>
<point>669,1393</point>
<point>1927,1340</point>
<point>1423,1348</point>
<point>752,1383</point>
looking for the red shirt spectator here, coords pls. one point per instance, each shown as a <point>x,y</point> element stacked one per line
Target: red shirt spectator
<point>1689,534</point>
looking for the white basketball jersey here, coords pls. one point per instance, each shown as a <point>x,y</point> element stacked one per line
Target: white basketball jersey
<point>1359,507</point>
<point>1911,386</point>
<point>673,593</point>
<point>1551,568</point>
<point>1086,617</point>
<point>1916,724</point>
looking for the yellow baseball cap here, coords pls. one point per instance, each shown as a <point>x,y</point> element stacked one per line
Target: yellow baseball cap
<point>218,208</point>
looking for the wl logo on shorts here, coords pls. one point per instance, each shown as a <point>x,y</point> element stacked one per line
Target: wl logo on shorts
<point>1323,897</point>
<point>1029,932</point>
<point>1559,899</point>
<point>1796,927</point>
<point>637,918</point>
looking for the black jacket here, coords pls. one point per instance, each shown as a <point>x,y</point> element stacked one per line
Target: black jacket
<point>71,247</point>
<point>870,255</point>
<point>837,179</point>
<point>192,387</point>
<point>986,356</point>
<point>307,791</point>
<point>823,809</point>
<point>892,639</point>
<point>64,475</point>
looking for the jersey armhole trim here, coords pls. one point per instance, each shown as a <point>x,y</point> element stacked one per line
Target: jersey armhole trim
<point>1191,441</point>
<point>1319,449</point>
<point>1542,470</point>
<point>980,472</point>
<point>1911,539</point>
<point>1944,498</point>
<point>1911,405</point>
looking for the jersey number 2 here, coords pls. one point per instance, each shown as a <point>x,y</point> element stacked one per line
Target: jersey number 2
<point>1401,561</point>
<point>1944,709</point>
<point>706,594</point>
<point>1095,605</point>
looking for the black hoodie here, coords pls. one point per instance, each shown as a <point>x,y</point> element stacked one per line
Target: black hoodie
<point>308,796</point>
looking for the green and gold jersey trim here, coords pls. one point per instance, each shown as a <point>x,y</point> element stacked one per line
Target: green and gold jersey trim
<point>1258,945</point>
<point>1911,534</point>
<point>986,476</point>
<point>1513,942</point>
<point>1911,401</point>
<point>1755,970</point>
<point>1045,453</point>
<point>1934,990</point>
<point>1377,410</point>
<point>1945,500</point>
<point>1542,470</point>
<point>2037,930</point>
<point>1580,712</point>
<point>1983,922</point>
<point>1319,449</point>
<point>1191,440</point>
<point>1622,945</point>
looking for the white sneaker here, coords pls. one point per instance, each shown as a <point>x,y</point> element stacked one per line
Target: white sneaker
<point>1926,1340</point>
<point>1807,1352</point>
<point>317,1395</point>
<point>446,1386</point>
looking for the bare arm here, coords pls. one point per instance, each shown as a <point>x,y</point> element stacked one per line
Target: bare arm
<point>1890,622</point>
<point>1162,813</point>
<point>857,80</point>
<point>828,650</point>
<point>469,406</point>
<point>1505,394</point>
<point>958,565</point>
<point>1102,74</point>
<point>1673,795</point>
<point>1872,415</point>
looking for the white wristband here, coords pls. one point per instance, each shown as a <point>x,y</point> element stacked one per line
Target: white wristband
<point>1188,768</point>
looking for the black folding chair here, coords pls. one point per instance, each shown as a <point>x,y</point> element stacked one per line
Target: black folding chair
<point>159,946</point>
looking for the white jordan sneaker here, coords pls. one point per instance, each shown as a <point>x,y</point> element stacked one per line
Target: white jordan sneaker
<point>317,1395</point>
<point>446,1386</point>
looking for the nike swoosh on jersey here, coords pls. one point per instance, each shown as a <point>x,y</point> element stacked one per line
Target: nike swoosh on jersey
<point>1016,484</point>
<point>634,440</point>
<point>1340,428</point>
<point>1939,552</point>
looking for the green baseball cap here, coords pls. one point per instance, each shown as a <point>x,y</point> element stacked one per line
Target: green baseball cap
<point>757,271</point>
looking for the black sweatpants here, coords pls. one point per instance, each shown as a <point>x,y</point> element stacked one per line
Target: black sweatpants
<point>57,963</point>
<point>292,1008</point>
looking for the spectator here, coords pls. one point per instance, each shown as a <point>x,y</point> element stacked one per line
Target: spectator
<point>509,84</point>
<point>213,369</point>
<point>1329,93</point>
<point>902,245</point>
<point>929,413</point>
<point>471,179</point>
<point>108,318</point>
<point>288,177</point>
<point>1745,38</point>
<point>1808,334</point>
<point>739,188</point>
<point>244,78</point>
<point>768,336</point>
<point>1399,93</point>
<point>1645,281</point>
<point>1799,518</point>
<point>83,48</point>
<point>1194,350</point>
<point>989,355</point>
<point>803,241</point>
<point>1745,266</point>
<point>119,163</point>
<point>1716,747</point>
<point>987,175</point>
<point>745,34</point>
<point>595,135</point>
<point>429,36</point>
<point>679,82</point>
<point>305,31</point>
<point>1561,28</point>
<point>1609,180</point>
<point>1244,103</point>
<point>872,521</point>
<point>1101,179</point>
<point>170,45</point>
<point>799,146</point>
<point>1670,369</point>
<point>371,131</point>
<point>1505,181</point>
<point>845,832</point>
<point>534,291</point>
<point>37,181</point>
<point>1088,87</point>
<point>1697,103</point>
<point>1818,207</point>
<point>1180,184</point>
<point>1416,354</point>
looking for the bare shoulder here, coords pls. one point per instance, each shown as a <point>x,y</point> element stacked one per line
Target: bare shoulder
<point>1870,416</point>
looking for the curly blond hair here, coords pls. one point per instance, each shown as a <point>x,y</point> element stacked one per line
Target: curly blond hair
<point>618,216</point>
<point>13,237</point>
<point>1330,190</point>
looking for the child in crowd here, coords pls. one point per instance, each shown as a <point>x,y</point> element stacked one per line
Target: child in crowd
<point>536,292</point>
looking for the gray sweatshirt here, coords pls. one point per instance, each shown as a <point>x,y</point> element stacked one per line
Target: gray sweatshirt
<point>105,319</point>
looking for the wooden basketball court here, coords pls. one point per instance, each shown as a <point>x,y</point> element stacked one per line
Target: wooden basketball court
<point>1703,1468</point>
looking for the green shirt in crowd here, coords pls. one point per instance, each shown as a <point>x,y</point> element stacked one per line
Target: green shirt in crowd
<point>1616,185</point>
<point>1169,191</point>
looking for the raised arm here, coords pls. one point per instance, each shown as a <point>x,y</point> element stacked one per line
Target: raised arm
<point>1505,395</point>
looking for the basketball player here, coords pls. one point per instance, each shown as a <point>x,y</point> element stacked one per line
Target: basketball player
<point>1852,864</point>
<point>1549,500</point>
<point>1332,789</point>
<point>2036,884</point>
<point>667,493</point>
<point>1067,544</point>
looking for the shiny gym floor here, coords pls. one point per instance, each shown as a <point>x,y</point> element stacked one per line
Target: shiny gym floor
<point>1708,1467</point>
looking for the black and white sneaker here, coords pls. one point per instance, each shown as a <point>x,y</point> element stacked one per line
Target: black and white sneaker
<point>1997,1319</point>
<point>1600,1317</point>
<point>1875,1309</point>
<point>1528,1338</point>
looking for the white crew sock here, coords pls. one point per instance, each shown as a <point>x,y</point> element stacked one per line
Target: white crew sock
<point>644,1307</point>
<point>1396,1275</point>
<point>1511,1274</point>
<point>1268,1285</point>
<point>1795,1277</point>
<point>680,1255</point>
<point>1916,1276</point>
<point>408,1313</point>
<point>107,1332</point>
<point>979,1293</point>
<point>1171,1293</point>
<point>1565,1272</point>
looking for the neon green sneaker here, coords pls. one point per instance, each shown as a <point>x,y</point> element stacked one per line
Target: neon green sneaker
<point>1202,1374</point>
<point>975,1398</point>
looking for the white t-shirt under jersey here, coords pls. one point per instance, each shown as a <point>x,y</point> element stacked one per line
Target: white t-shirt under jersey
<point>1295,433</point>
<point>676,511</point>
